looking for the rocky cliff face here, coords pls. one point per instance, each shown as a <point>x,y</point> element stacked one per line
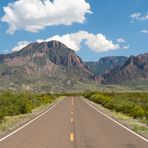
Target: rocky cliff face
<point>105,64</point>
<point>135,68</point>
<point>52,65</point>
<point>50,59</point>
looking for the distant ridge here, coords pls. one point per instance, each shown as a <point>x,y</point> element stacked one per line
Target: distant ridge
<point>134,69</point>
<point>105,64</point>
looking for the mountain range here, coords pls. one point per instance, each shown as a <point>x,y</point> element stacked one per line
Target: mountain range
<point>52,66</point>
<point>105,64</point>
<point>135,68</point>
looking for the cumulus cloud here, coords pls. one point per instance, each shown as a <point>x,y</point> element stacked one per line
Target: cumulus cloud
<point>34,15</point>
<point>121,40</point>
<point>95,42</point>
<point>144,31</point>
<point>126,47</point>
<point>20,45</point>
<point>138,16</point>
<point>123,43</point>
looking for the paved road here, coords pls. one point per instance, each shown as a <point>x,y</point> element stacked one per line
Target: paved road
<point>73,124</point>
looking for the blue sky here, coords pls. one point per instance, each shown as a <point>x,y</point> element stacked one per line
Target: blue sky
<point>113,27</point>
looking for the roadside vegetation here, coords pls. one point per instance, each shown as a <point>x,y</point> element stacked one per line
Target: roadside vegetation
<point>14,103</point>
<point>131,104</point>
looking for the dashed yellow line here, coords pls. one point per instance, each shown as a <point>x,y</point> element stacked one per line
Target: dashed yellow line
<point>71,120</point>
<point>71,137</point>
<point>72,102</point>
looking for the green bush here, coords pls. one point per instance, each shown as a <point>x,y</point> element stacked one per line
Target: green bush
<point>1,116</point>
<point>24,106</point>
<point>12,103</point>
<point>110,105</point>
<point>137,112</point>
<point>132,104</point>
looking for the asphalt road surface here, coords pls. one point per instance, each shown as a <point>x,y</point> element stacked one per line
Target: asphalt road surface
<point>72,123</point>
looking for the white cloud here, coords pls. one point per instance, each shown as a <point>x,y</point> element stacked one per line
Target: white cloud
<point>126,47</point>
<point>20,45</point>
<point>121,40</point>
<point>144,31</point>
<point>135,16</point>
<point>99,43</point>
<point>95,42</point>
<point>138,16</point>
<point>33,15</point>
<point>6,51</point>
<point>123,43</point>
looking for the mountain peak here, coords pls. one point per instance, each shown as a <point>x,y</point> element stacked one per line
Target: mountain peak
<point>47,59</point>
<point>55,44</point>
<point>134,69</point>
<point>105,64</point>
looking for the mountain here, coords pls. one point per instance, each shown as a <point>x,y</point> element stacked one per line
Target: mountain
<point>43,64</point>
<point>134,69</point>
<point>105,64</point>
<point>52,66</point>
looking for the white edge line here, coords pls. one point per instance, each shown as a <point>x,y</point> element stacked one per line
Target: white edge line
<point>116,121</point>
<point>29,122</point>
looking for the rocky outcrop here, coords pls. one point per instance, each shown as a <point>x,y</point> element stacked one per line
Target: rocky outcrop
<point>135,68</point>
<point>105,64</point>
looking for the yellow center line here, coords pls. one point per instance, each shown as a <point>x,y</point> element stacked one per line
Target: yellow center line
<point>71,137</point>
<point>71,120</point>
<point>72,102</point>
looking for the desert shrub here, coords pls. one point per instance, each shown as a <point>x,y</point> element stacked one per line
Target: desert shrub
<point>12,103</point>
<point>25,106</point>
<point>132,104</point>
<point>137,112</point>
<point>1,116</point>
<point>110,105</point>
